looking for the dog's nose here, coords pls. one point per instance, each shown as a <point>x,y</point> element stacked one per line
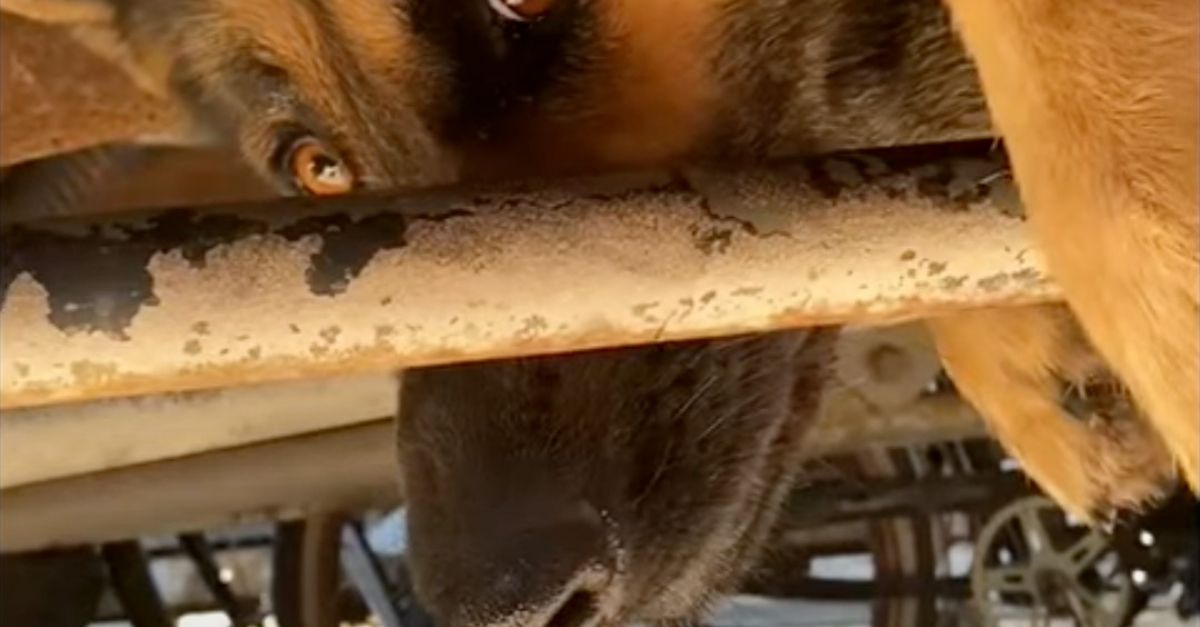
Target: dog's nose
<point>555,572</point>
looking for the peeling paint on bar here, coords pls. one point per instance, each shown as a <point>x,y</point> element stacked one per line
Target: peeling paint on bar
<point>185,299</point>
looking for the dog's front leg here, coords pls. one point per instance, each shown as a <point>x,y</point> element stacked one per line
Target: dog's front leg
<point>1097,102</point>
<point>1045,396</point>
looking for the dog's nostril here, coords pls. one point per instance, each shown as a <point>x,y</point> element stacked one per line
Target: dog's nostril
<point>579,610</point>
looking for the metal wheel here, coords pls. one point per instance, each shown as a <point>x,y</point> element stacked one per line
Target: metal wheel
<point>897,546</point>
<point>1031,561</point>
<point>326,574</point>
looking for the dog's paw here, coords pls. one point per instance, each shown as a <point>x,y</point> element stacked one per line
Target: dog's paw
<point>1128,466</point>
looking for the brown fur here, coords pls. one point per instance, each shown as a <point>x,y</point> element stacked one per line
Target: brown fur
<point>1106,458</point>
<point>1098,105</point>
<point>1096,102</point>
<point>657,101</point>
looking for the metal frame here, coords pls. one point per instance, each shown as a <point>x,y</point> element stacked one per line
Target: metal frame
<point>189,299</point>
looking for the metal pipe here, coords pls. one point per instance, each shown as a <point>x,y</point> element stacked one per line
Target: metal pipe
<point>128,432</point>
<point>332,470</point>
<point>124,432</point>
<point>189,299</point>
<point>351,467</point>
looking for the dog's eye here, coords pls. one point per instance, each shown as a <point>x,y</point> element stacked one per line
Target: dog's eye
<point>318,170</point>
<point>521,10</point>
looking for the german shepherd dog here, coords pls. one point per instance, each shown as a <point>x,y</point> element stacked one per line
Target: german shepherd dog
<point>1096,102</point>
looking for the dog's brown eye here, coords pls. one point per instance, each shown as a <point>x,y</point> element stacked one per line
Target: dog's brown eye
<point>318,170</point>
<point>521,10</point>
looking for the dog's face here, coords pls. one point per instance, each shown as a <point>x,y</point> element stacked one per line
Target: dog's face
<point>329,96</point>
<point>601,487</point>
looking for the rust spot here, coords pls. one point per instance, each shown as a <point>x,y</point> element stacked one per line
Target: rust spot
<point>192,347</point>
<point>349,244</point>
<point>819,179</point>
<point>844,173</point>
<point>254,353</point>
<point>1007,198</point>
<point>936,268</point>
<point>532,326</point>
<point>710,239</point>
<point>108,280</point>
<point>747,291</point>
<point>933,179</point>
<point>644,308</point>
<point>707,297</point>
<point>384,331</point>
<point>952,283</point>
<point>908,255</point>
<point>994,282</point>
<point>200,328</point>
<point>330,334</point>
<point>1028,275</point>
<point>92,373</point>
<point>293,328</point>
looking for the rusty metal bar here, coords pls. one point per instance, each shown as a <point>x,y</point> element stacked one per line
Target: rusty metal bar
<point>185,299</point>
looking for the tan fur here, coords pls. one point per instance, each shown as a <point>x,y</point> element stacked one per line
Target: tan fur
<point>281,33</point>
<point>380,39</point>
<point>1097,103</point>
<point>650,103</point>
<point>1014,365</point>
<point>661,99</point>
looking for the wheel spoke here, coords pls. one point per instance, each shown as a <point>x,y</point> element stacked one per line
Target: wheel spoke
<point>1041,616</point>
<point>1098,613</point>
<point>1084,553</point>
<point>1081,604</point>
<point>1086,606</point>
<point>362,567</point>
<point>1010,580</point>
<point>1034,531</point>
